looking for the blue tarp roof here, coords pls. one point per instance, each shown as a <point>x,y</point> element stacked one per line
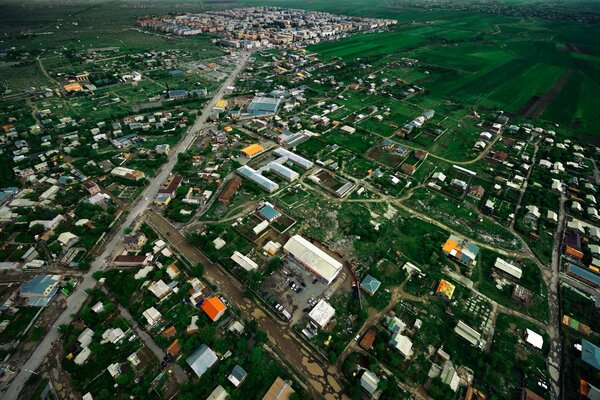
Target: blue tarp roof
<point>584,274</point>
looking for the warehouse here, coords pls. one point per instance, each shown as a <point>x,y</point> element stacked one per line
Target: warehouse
<point>253,176</point>
<point>316,260</point>
<point>508,268</point>
<point>243,261</point>
<point>294,158</point>
<point>261,106</point>
<point>284,172</point>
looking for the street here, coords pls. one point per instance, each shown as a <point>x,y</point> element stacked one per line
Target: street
<point>77,299</point>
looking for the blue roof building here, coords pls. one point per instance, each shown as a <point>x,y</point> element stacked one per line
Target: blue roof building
<point>178,94</point>
<point>584,275</point>
<point>370,285</point>
<point>40,290</point>
<point>590,354</point>
<point>268,212</point>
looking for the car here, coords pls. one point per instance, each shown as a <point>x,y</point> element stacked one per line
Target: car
<point>292,284</point>
<point>357,337</point>
<point>303,284</point>
<point>298,289</point>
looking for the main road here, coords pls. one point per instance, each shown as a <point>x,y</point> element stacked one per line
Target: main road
<point>75,301</point>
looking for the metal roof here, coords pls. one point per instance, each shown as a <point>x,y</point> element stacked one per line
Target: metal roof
<point>202,359</point>
<point>313,258</point>
<point>253,176</point>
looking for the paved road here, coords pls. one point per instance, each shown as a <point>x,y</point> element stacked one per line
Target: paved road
<point>76,299</point>
<point>322,383</point>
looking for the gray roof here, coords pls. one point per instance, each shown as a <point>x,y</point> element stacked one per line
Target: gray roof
<point>202,359</point>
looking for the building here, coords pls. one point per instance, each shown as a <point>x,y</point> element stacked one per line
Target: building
<point>293,158</point>
<point>178,94</point>
<point>91,187</point>
<point>507,268</point>
<point>461,250</point>
<point>279,390</point>
<point>402,343</point>
<point>534,339</point>
<point>284,172</point>
<point>445,289</point>
<point>213,307</point>
<point>321,313</point>
<point>243,261</point>
<point>67,239</point>
<point>590,354</point>
<point>466,332</point>
<point>159,288</point>
<point>368,340</point>
<point>231,188</point>
<point>127,173</point>
<point>237,376</point>
<point>201,360</point>
<point>268,212</point>
<point>529,395</point>
<point>254,176</point>
<point>253,150</point>
<point>170,186</point>
<point>40,289</point>
<point>313,258</point>
<point>218,394</point>
<point>130,261</point>
<point>262,106</point>
<point>449,375</point>
<point>152,316</point>
<point>522,294</point>
<point>370,284</point>
<point>584,275</point>
<point>135,241</point>
<point>369,382</point>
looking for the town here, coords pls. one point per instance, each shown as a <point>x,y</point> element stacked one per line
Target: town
<point>273,203</point>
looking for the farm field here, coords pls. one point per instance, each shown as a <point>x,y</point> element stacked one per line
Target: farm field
<point>495,62</point>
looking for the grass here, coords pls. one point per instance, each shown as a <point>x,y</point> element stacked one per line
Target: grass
<point>18,323</point>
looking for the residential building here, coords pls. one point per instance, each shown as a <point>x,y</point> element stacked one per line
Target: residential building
<point>201,360</point>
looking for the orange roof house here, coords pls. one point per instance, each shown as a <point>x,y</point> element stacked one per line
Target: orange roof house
<point>174,348</point>
<point>279,390</point>
<point>213,307</point>
<point>169,332</point>
<point>445,289</point>
<point>73,87</point>
<point>252,150</point>
<point>574,252</point>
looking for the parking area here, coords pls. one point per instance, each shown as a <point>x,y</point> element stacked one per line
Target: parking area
<point>306,291</point>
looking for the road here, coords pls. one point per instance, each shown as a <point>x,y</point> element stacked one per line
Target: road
<point>322,383</point>
<point>76,300</point>
<point>555,355</point>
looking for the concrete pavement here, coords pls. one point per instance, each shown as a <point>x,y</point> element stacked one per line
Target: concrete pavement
<point>76,300</point>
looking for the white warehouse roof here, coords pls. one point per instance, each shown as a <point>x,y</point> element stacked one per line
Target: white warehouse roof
<point>313,258</point>
<point>294,158</point>
<point>322,313</point>
<point>508,268</point>
<point>243,261</point>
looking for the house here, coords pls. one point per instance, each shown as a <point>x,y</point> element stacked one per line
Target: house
<point>279,390</point>
<point>174,348</point>
<point>369,381</point>
<point>403,344</point>
<point>552,217</point>
<point>439,176</point>
<point>159,288</point>
<point>231,188</point>
<point>445,289</point>
<point>213,308</point>
<point>459,184</point>
<point>218,394</point>
<point>152,316</point>
<point>201,360</point>
<point>237,376</point>
<point>91,187</point>
<point>170,186</point>
<point>408,169</point>
<point>130,261</point>
<point>368,339</point>
<point>370,284</point>
<point>533,213</point>
<point>534,339</point>
<point>529,395</point>
<point>67,239</point>
<point>321,313</point>
<point>421,154</point>
<point>134,242</point>
<point>476,192</point>
<point>461,250</point>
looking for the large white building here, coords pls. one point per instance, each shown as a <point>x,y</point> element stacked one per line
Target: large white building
<point>313,258</point>
<point>322,313</point>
